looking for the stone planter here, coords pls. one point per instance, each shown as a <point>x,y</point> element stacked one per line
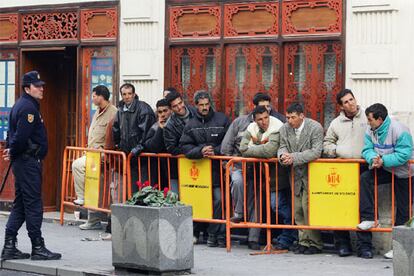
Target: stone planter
<point>403,246</point>
<point>151,238</point>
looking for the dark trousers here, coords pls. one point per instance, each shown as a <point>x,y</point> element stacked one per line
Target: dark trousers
<point>366,201</point>
<point>342,238</point>
<point>217,228</point>
<point>135,174</point>
<point>27,205</point>
<point>284,208</point>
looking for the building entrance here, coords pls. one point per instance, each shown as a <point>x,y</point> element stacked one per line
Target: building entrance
<point>57,67</point>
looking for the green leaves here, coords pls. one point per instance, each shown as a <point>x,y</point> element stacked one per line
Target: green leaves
<point>151,196</point>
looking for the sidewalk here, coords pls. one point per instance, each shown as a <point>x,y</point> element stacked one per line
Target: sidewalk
<point>94,257</point>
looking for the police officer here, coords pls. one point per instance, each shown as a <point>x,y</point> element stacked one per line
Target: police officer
<point>26,147</point>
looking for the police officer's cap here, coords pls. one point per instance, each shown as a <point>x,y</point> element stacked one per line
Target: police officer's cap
<point>32,77</point>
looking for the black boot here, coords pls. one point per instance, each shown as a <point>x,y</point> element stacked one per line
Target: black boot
<point>40,252</point>
<point>10,252</point>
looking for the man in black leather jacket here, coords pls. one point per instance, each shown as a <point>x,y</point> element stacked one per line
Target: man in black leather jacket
<point>202,138</point>
<point>154,143</point>
<point>132,121</point>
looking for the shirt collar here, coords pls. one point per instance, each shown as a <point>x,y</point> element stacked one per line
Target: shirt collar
<point>301,127</point>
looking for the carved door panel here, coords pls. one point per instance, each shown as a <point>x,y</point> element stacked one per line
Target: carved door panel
<point>313,77</point>
<point>196,68</point>
<point>250,69</point>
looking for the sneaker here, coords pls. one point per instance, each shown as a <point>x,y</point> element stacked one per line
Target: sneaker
<point>79,201</point>
<point>366,225</point>
<point>91,226</point>
<point>344,250</point>
<point>366,254</point>
<point>389,254</point>
<point>106,236</point>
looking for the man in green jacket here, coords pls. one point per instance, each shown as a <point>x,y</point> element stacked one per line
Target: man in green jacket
<point>388,147</point>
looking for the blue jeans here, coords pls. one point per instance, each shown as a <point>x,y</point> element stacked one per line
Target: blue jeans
<point>287,237</point>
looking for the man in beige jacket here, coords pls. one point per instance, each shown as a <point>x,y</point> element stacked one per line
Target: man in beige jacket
<point>96,140</point>
<point>345,139</point>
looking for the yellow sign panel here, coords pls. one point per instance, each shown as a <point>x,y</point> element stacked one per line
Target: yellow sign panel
<point>196,186</point>
<point>92,178</point>
<point>334,194</point>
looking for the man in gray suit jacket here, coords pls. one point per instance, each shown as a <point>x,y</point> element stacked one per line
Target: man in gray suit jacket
<point>300,143</point>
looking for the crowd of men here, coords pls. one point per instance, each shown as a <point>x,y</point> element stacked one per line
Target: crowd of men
<point>200,131</point>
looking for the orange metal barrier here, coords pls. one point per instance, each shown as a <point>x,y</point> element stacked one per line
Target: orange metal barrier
<point>113,172</point>
<point>268,225</point>
<point>159,168</point>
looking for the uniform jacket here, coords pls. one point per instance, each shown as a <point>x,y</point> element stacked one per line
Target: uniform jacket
<point>173,131</point>
<point>97,130</point>
<point>131,126</point>
<point>308,148</point>
<point>394,143</point>
<point>267,150</point>
<point>26,129</point>
<point>345,137</point>
<point>202,131</point>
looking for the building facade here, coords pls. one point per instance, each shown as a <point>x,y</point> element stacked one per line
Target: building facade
<point>296,50</point>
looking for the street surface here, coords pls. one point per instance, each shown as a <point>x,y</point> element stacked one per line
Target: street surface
<point>94,257</point>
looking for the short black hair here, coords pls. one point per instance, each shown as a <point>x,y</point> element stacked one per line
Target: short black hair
<point>170,89</point>
<point>172,96</point>
<point>24,86</point>
<point>378,111</point>
<point>201,94</point>
<point>342,94</point>
<point>260,97</point>
<point>127,85</point>
<point>162,102</point>
<point>259,110</point>
<point>295,107</point>
<point>102,90</point>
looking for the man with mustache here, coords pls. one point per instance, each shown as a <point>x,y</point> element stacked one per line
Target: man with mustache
<point>202,138</point>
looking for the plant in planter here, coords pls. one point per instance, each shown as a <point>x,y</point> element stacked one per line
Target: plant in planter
<point>152,231</point>
<point>148,195</point>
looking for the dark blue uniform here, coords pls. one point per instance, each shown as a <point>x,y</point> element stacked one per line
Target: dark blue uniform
<point>27,142</point>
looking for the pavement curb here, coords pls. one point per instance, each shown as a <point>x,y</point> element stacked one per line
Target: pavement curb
<point>38,268</point>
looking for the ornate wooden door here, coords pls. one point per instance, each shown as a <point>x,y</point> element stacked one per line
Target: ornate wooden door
<point>250,69</point>
<point>313,77</point>
<point>196,68</point>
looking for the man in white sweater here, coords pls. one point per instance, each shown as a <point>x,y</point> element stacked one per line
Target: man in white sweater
<point>345,139</point>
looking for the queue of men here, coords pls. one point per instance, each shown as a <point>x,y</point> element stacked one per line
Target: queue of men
<point>201,132</point>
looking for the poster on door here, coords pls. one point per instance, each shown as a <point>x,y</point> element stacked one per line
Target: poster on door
<point>101,74</point>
